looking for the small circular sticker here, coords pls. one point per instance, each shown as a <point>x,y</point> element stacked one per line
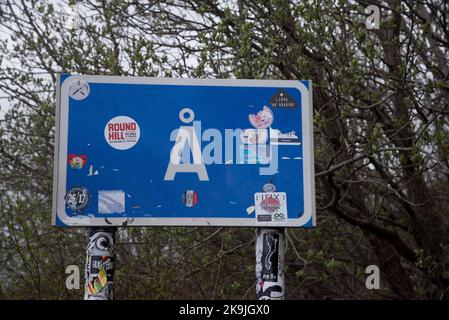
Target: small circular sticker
<point>269,187</point>
<point>122,132</point>
<point>77,198</point>
<point>190,198</point>
<point>79,90</point>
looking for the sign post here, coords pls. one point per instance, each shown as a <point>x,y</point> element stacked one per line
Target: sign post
<point>270,278</point>
<point>134,151</point>
<point>100,263</point>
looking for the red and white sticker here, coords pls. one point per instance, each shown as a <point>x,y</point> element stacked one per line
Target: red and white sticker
<point>271,207</point>
<point>190,198</point>
<point>122,132</point>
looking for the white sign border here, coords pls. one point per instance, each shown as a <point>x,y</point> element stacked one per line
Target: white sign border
<point>61,138</point>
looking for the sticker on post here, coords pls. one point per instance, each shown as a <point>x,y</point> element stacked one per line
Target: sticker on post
<point>122,132</point>
<point>271,207</point>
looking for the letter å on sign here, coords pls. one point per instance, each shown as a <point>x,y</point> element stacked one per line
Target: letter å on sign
<point>183,152</point>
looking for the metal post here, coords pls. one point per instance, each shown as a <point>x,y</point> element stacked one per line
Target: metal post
<point>270,278</point>
<point>100,259</point>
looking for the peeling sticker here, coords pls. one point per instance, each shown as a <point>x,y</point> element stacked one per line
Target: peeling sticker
<point>129,196</point>
<point>233,202</point>
<point>136,207</point>
<point>91,171</point>
<point>271,207</point>
<point>159,206</point>
<point>250,210</point>
<point>285,158</point>
<point>111,201</point>
<point>115,170</point>
<point>190,198</point>
<point>122,132</point>
<point>229,162</point>
<point>77,198</point>
<point>297,158</point>
<point>263,119</point>
<point>77,161</point>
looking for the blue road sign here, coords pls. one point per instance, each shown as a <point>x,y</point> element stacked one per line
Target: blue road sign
<point>134,151</point>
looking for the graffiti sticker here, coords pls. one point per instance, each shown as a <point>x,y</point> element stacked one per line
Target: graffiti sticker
<point>99,272</point>
<point>270,256</point>
<point>270,278</point>
<point>77,161</point>
<point>77,198</point>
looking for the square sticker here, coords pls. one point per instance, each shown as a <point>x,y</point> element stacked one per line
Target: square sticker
<point>111,201</point>
<point>271,207</point>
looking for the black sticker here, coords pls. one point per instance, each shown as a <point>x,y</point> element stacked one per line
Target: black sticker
<point>270,257</point>
<point>77,198</point>
<point>264,218</point>
<point>282,100</point>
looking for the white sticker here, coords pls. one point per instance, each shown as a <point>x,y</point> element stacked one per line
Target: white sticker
<point>284,138</point>
<point>271,207</point>
<point>111,201</point>
<point>122,132</point>
<point>79,90</point>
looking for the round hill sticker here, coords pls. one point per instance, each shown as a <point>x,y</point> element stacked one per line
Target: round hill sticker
<point>122,132</point>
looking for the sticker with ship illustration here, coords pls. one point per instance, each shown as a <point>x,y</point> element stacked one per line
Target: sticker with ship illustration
<point>288,138</point>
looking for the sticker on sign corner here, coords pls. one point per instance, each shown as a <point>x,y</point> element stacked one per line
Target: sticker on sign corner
<point>122,132</point>
<point>271,207</point>
<point>77,198</point>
